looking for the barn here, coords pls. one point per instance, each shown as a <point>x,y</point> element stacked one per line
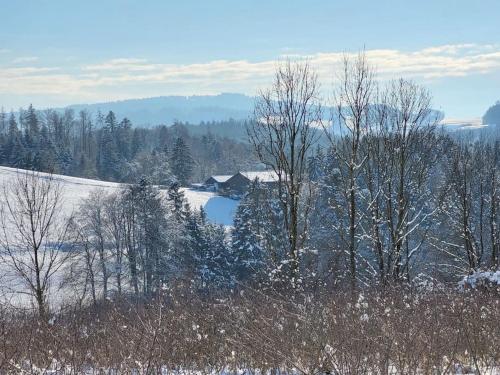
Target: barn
<point>238,184</point>
<point>216,183</point>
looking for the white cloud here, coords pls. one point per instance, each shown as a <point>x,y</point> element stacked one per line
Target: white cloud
<point>120,64</point>
<point>25,59</point>
<point>128,77</point>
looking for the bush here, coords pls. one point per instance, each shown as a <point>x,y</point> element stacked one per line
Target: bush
<point>385,332</point>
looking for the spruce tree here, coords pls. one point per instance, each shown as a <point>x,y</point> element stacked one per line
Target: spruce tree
<point>180,207</point>
<point>3,121</point>
<point>46,153</point>
<point>124,139</point>
<point>248,243</point>
<point>181,162</point>
<point>151,227</point>
<point>109,163</point>
<point>258,240</point>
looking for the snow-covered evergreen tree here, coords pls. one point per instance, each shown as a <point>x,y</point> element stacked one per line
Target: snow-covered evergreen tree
<point>155,234</point>
<point>257,238</point>
<point>181,161</point>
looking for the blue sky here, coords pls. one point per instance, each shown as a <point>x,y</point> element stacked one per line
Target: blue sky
<point>60,52</point>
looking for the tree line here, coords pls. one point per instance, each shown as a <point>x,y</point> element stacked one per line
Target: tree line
<point>104,147</point>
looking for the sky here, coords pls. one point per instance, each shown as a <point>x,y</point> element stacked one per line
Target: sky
<point>61,52</point>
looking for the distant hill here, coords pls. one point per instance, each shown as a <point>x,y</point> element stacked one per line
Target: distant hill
<point>492,115</point>
<point>168,109</point>
<point>227,109</point>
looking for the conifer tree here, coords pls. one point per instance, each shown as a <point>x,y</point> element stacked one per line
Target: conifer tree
<point>258,242</point>
<point>109,163</point>
<point>181,161</point>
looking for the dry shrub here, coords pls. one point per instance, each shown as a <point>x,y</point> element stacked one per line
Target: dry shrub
<point>372,332</point>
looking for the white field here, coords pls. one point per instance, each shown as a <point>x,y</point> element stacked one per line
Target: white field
<point>220,210</point>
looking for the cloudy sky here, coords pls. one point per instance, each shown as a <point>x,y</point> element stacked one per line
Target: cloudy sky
<point>59,52</point>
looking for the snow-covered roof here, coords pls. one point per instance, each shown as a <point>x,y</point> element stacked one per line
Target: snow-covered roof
<point>263,176</point>
<point>222,178</point>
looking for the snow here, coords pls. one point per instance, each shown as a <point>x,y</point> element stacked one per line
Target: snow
<point>220,210</point>
<point>480,278</point>
<point>74,189</point>
<point>263,176</point>
<point>222,178</point>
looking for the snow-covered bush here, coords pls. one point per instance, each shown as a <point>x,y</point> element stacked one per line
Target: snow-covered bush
<point>482,280</point>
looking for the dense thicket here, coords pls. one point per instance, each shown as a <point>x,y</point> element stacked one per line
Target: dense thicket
<point>181,332</point>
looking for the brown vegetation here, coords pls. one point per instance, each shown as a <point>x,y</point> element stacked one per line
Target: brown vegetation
<point>380,333</point>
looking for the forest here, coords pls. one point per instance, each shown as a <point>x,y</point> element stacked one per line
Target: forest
<point>377,251</point>
<point>104,147</point>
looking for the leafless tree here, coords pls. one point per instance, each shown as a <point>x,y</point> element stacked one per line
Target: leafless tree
<point>80,274</point>
<point>282,135</point>
<point>351,117</point>
<point>115,223</point>
<point>34,232</point>
<point>471,206</point>
<point>93,220</point>
<point>401,149</point>
<point>493,166</point>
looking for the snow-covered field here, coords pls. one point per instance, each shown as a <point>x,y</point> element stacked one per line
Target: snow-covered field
<point>220,210</point>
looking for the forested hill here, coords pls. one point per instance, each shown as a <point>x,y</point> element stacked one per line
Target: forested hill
<point>492,115</point>
<point>169,109</point>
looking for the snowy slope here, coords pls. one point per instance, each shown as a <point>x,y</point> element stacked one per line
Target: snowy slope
<point>220,210</point>
<point>74,189</point>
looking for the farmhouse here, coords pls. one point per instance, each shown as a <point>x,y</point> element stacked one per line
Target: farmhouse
<point>238,184</point>
<point>216,183</point>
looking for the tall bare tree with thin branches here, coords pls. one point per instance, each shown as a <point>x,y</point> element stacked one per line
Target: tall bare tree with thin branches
<point>401,150</point>
<point>282,134</point>
<point>350,122</point>
<point>34,232</point>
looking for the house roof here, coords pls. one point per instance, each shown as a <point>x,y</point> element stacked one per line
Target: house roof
<point>221,178</point>
<point>262,176</point>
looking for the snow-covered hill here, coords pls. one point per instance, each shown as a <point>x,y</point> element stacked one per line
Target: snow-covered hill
<point>220,210</point>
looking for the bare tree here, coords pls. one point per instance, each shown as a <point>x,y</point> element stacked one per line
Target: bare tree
<point>351,116</point>
<point>471,206</point>
<point>282,134</point>
<point>402,150</point>
<point>80,273</point>
<point>493,157</point>
<point>34,231</point>
<point>116,227</point>
<point>93,219</point>
<point>100,223</point>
